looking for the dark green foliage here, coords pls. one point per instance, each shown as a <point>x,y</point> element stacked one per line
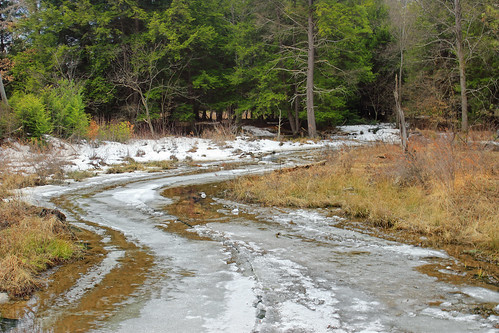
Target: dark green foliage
<point>167,61</point>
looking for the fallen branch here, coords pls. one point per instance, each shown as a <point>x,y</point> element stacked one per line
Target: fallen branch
<point>305,166</point>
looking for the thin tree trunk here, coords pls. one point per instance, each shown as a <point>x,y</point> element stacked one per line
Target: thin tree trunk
<point>279,126</point>
<point>312,131</point>
<point>148,115</point>
<point>462,66</point>
<point>291,121</point>
<point>401,69</point>
<point>401,117</point>
<point>297,113</point>
<point>3,95</point>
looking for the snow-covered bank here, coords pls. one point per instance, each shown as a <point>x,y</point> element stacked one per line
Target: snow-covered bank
<point>95,155</point>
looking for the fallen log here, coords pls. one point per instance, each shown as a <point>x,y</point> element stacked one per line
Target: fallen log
<point>305,166</point>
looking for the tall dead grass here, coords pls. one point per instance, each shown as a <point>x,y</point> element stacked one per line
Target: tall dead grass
<point>29,243</point>
<point>220,133</point>
<point>443,188</point>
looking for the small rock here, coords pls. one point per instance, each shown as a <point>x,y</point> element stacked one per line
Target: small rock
<point>4,298</point>
<point>202,195</point>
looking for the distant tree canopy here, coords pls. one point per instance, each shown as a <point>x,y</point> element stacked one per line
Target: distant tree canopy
<point>159,63</point>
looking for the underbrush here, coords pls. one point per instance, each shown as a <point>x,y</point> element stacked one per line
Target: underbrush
<point>220,133</point>
<point>121,131</point>
<point>443,188</point>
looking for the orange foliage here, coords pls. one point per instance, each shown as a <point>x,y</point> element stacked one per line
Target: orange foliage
<point>93,130</point>
<point>5,66</point>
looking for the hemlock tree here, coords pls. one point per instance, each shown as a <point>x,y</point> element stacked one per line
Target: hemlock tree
<point>313,60</point>
<point>323,49</point>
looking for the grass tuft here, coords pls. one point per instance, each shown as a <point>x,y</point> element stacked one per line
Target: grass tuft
<point>29,244</point>
<point>130,165</point>
<point>79,175</point>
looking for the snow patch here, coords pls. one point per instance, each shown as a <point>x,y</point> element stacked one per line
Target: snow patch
<point>482,294</point>
<point>237,316</point>
<point>96,155</point>
<point>371,133</point>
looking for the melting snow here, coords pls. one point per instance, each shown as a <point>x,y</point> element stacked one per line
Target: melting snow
<point>93,155</point>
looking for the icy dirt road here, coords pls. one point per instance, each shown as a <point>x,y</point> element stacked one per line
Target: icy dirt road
<point>229,267</point>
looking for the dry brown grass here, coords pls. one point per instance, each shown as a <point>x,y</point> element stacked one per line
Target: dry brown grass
<point>444,188</point>
<point>220,133</point>
<point>29,244</point>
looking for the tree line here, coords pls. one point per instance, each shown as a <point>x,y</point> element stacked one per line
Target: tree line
<point>312,63</point>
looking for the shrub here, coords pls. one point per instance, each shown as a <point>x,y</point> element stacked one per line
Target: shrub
<point>32,114</point>
<point>221,133</point>
<point>116,131</point>
<point>67,108</point>
<point>93,130</point>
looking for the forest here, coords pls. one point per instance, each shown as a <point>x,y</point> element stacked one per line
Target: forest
<point>265,189</point>
<point>310,64</point>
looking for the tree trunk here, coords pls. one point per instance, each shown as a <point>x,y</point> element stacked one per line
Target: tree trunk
<point>297,115</point>
<point>294,114</point>
<point>401,68</point>
<point>312,131</point>
<point>148,114</point>
<point>401,117</point>
<point>462,66</point>
<point>3,95</point>
<point>291,120</point>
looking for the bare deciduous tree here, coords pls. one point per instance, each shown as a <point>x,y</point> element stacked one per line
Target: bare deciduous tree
<point>451,25</point>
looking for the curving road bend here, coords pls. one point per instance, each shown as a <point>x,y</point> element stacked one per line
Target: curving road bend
<point>229,267</point>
